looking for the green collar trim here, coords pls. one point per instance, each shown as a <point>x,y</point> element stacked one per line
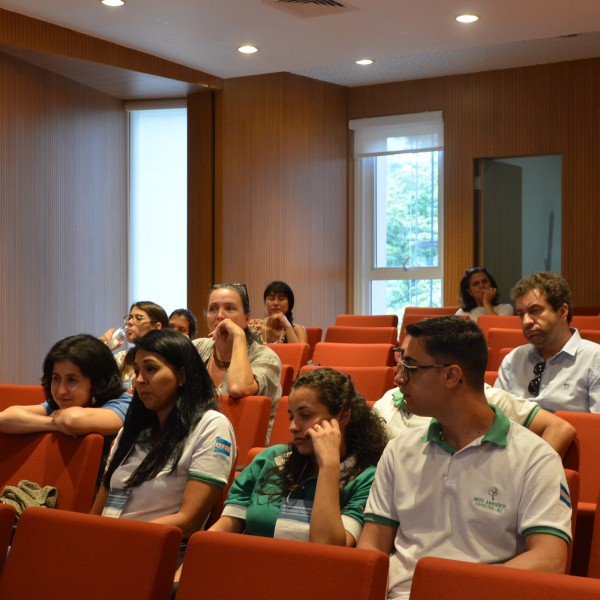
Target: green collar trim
<point>496,435</point>
<point>399,402</point>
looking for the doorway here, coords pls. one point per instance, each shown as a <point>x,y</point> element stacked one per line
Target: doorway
<point>518,217</point>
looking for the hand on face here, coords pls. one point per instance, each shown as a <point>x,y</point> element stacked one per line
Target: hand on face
<point>224,333</point>
<point>326,440</point>
<point>488,295</point>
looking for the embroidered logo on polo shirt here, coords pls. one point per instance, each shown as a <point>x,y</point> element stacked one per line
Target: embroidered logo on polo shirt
<point>222,446</point>
<point>564,495</point>
<point>489,503</point>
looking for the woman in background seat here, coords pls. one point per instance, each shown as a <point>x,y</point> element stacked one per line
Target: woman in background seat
<point>278,326</point>
<point>479,295</point>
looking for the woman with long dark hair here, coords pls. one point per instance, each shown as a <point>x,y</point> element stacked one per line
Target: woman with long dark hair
<point>175,451</point>
<point>278,326</point>
<point>316,488</point>
<point>479,295</point>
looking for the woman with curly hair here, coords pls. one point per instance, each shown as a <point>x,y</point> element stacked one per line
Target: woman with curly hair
<point>175,452</point>
<point>316,488</point>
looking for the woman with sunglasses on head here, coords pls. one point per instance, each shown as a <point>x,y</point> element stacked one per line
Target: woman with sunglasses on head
<point>479,295</point>
<point>237,364</point>
<point>175,452</point>
<point>278,326</point>
<point>144,316</point>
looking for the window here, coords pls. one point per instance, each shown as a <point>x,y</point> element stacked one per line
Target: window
<point>158,206</point>
<point>398,209</point>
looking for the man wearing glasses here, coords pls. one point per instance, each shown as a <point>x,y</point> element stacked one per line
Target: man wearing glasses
<point>469,484</point>
<point>557,432</point>
<point>557,369</point>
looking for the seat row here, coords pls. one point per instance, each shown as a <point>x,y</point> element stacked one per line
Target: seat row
<point>60,554</point>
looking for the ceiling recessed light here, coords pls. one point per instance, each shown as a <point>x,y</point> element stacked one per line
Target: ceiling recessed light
<point>113,2</point>
<point>247,49</point>
<point>467,18</point>
<point>364,61</point>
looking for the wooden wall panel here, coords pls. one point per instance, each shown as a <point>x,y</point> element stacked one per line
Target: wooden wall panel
<point>282,191</point>
<point>546,109</point>
<point>63,214</point>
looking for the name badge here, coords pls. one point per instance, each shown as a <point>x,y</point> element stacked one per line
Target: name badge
<point>293,520</point>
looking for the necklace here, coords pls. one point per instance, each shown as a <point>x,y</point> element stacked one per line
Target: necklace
<point>223,365</point>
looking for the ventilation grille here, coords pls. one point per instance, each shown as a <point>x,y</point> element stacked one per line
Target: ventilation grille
<point>310,8</point>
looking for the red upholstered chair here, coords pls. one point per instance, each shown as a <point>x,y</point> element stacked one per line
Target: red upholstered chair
<point>272,569</point>
<point>12,394</point>
<point>370,382</point>
<point>367,320</point>
<point>61,554</point>
<point>287,378</point>
<point>249,417</point>
<point>431,311</point>
<point>361,335</point>
<point>66,463</point>
<point>487,322</point>
<point>353,355</point>
<point>295,355</point>
<point>586,321</point>
<point>490,377</point>
<point>501,340</point>
<point>590,334</point>
<point>588,434</point>
<point>7,521</point>
<point>594,557</point>
<point>313,337</point>
<point>280,432</point>
<point>458,580</point>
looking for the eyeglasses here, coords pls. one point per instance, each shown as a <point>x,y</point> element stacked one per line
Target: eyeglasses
<point>406,369</point>
<point>241,286</point>
<point>534,384</point>
<point>138,318</point>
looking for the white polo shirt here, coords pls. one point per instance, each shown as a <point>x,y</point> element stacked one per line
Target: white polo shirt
<point>477,504</point>
<point>392,409</point>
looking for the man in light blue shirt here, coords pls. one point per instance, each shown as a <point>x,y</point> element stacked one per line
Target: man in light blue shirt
<point>557,369</point>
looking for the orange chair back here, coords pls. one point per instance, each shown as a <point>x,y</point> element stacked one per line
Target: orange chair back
<point>7,521</point>
<point>353,355</point>
<point>66,463</point>
<point>12,394</point>
<point>370,382</point>
<point>590,334</point>
<point>594,556</point>
<point>295,355</point>
<point>287,378</point>
<point>487,322</point>
<point>458,580</point>
<point>490,377</point>
<point>249,417</point>
<point>587,426</point>
<point>361,335</point>
<point>585,322</point>
<point>367,320</point>
<point>573,482</point>
<point>335,571</point>
<point>61,554</point>
<point>431,311</point>
<point>280,432</point>
<point>500,342</point>
<point>313,337</point>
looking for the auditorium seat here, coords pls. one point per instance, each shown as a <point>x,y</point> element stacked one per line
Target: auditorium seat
<point>361,335</point>
<point>367,320</point>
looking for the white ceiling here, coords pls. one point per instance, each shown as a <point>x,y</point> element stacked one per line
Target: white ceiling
<point>407,40</point>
